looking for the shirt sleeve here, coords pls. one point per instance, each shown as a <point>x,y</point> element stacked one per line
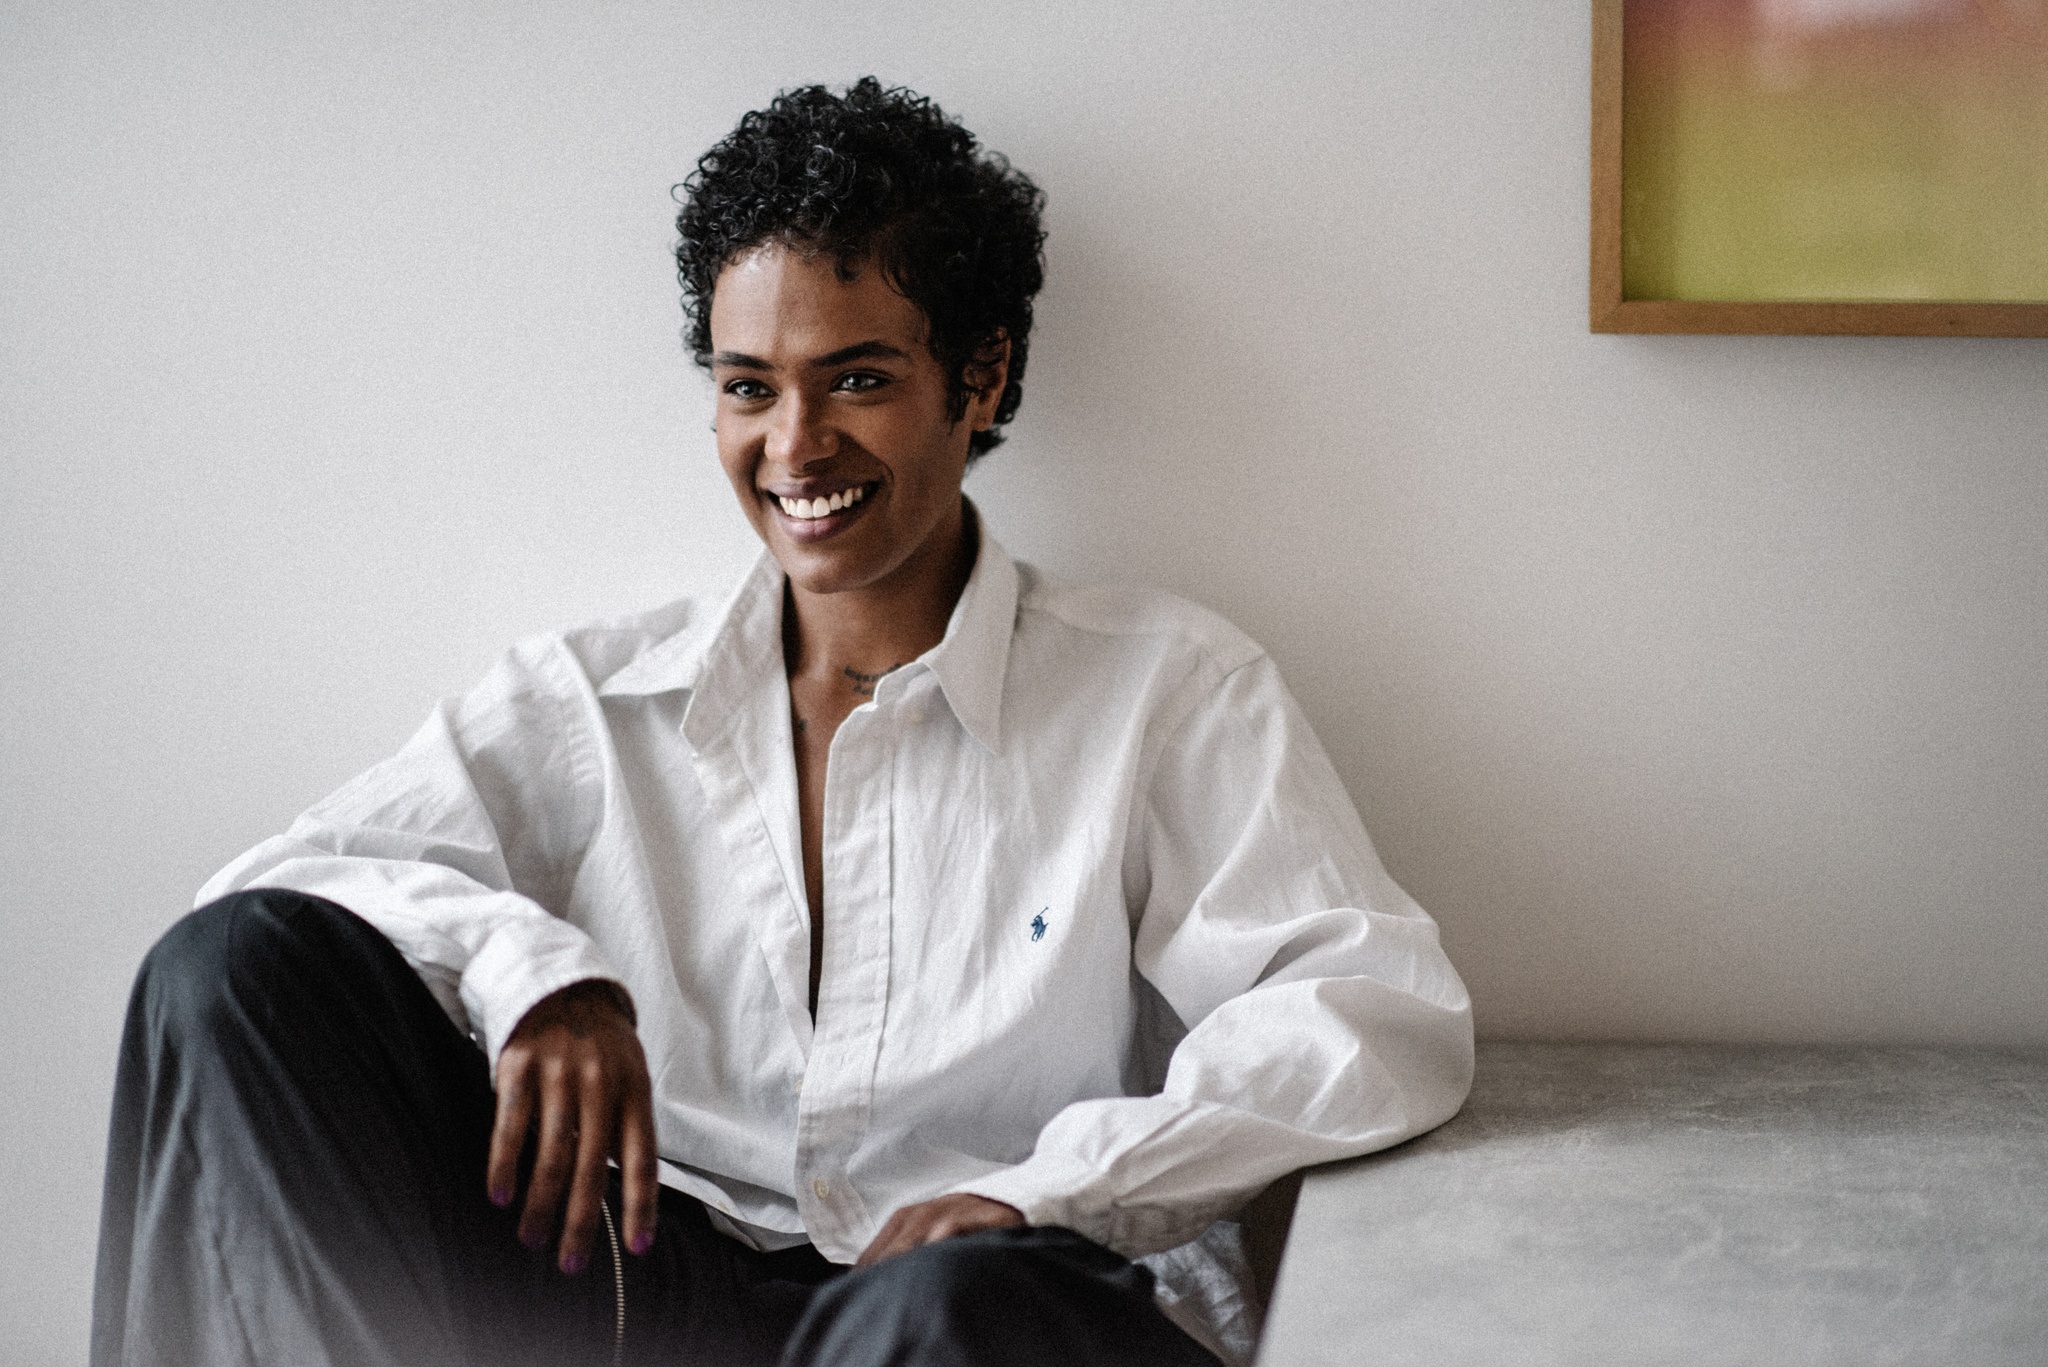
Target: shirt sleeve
<point>457,847</point>
<point>1323,1018</point>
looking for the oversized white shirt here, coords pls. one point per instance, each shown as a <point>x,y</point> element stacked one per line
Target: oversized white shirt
<point>1086,833</point>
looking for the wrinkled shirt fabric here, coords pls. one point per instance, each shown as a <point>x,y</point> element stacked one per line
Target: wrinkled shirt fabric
<point>1104,937</point>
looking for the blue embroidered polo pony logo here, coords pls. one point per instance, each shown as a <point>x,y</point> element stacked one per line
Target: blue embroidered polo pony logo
<point>1038,924</point>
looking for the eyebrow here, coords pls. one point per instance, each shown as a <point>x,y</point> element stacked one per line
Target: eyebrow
<point>859,351</point>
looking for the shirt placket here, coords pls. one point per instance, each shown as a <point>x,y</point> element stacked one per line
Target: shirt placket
<point>835,1110</point>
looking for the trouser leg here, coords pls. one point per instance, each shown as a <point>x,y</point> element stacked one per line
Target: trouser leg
<point>295,1174</point>
<point>698,1297</point>
<point>295,1167</point>
<point>998,1298</point>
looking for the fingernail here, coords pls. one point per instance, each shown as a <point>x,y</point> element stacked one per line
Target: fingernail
<point>533,1241</point>
<point>643,1241</point>
<point>572,1263</point>
<point>501,1196</point>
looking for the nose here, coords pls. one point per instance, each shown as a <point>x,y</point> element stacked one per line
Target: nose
<point>799,435</point>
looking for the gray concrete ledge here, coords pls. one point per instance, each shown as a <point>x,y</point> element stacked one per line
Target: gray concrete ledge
<point>1689,1204</point>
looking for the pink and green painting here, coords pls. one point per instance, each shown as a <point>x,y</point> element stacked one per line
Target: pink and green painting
<point>1842,150</point>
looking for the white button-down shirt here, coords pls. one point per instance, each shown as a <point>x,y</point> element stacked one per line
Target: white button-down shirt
<point>1087,832</point>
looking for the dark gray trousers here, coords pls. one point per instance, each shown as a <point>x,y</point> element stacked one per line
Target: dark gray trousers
<point>295,1175</point>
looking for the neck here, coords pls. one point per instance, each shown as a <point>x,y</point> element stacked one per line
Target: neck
<point>864,633</point>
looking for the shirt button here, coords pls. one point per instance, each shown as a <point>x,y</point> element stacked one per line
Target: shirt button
<point>823,1188</point>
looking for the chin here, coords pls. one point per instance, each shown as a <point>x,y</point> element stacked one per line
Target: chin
<point>820,572</point>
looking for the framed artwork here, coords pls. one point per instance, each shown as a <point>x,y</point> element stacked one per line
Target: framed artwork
<point>1821,166</point>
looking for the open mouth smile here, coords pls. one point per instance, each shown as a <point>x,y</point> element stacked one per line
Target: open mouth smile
<point>826,513</point>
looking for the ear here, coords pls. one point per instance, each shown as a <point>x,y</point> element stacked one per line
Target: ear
<point>986,373</point>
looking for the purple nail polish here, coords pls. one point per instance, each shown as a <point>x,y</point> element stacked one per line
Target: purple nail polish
<point>643,1241</point>
<point>572,1264</point>
<point>533,1241</point>
<point>501,1196</point>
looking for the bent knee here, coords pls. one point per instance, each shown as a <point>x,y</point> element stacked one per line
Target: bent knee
<point>211,940</point>
<point>1008,1296</point>
<point>212,959</point>
<point>968,1269</point>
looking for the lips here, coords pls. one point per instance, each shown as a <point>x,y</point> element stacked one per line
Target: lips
<point>824,511</point>
<point>811,509</point>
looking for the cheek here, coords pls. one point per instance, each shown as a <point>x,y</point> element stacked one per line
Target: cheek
<point>728,443</point>
<point>930,453</point>
<point>738,465</point>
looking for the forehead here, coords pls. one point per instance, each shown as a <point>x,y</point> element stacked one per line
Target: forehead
<point>780,304</point>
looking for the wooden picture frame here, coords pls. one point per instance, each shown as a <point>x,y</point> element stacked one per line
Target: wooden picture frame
<point>1614,311</point>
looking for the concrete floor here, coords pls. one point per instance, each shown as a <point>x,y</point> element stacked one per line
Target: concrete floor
<point>1690,1204</point>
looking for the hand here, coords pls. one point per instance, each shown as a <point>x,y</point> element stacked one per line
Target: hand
<point>927,1222</point>
<point>574,1075</point>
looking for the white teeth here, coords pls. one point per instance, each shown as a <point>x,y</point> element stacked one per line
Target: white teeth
<point>811,509</point>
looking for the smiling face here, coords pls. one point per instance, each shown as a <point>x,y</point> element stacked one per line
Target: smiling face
<point>833,422</point>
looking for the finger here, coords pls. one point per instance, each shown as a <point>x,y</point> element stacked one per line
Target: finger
<point>554,1159</point>
<point>905,1230</point>
<point>598,1119</point>
<point>954,1216</point>
<point>951,1223</point>
<point>638,1175</point>
<point>885,1246</point>
<point>887,1241</point>
<point>508,1130</point>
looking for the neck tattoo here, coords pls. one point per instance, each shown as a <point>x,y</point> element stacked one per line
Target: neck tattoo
<point>864,684</point>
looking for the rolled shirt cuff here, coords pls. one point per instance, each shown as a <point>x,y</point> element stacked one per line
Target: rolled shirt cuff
<point>519,967</point>
<point>1054,1190</point>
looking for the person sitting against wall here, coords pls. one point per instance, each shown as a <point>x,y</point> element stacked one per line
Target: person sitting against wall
<point>909,959</point>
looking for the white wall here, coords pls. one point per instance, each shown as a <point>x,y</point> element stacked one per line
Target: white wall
<point>1699,686</point>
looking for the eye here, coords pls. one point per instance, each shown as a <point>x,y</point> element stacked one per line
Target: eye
<point>860,382</point>
<point>746,390</point>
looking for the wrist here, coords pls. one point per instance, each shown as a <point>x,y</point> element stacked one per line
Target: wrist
<point>587,993</point>
<point>606,989</point>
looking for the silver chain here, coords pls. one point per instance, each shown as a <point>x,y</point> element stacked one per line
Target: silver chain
<point>611,1232</point>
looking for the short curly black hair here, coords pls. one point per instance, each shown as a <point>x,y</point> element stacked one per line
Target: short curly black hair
<point>878,174</point>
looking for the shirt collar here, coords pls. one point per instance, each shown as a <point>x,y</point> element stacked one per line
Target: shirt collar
<point>973,658</point>
<point>679,661</point>
<point>742,653</point>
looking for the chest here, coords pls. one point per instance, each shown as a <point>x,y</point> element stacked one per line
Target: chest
<point>894,810</point>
